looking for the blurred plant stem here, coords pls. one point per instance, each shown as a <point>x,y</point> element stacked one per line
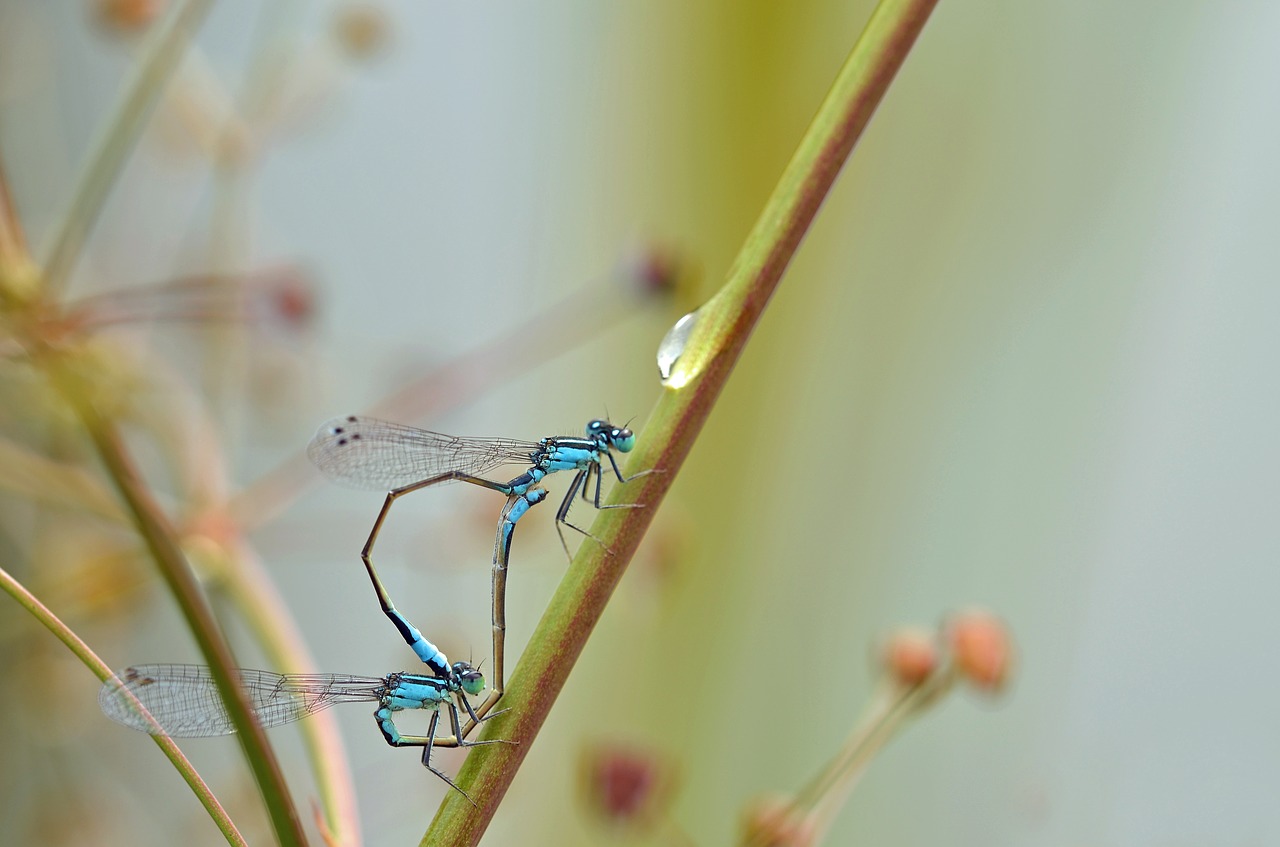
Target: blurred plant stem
<point>916,674</point>
<point>236,153</point>
<point>259,604</point>
<point>699,375</point>
<point>217,544</point>
<point>253,592</point>
<point>82,651</point>
<point>235,145</point>
<point>13,244</point>
<point>890,707</point>
<point>162,53</point>
<point>79,391</point>
<point>160,540</point>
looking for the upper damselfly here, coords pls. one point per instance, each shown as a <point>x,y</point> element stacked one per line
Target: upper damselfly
<point>401,459</point>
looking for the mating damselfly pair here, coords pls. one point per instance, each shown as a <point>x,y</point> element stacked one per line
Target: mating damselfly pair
<point>182,701</point>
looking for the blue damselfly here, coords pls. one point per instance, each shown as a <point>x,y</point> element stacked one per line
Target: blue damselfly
<point>372,453</point>
<point>182,701</point>
<point>400,459</point>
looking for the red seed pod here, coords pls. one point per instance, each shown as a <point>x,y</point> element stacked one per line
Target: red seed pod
<point>625,785</point>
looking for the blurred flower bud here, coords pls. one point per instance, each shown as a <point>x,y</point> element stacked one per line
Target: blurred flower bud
<point>362,30</point>
<point>909,656</point>
<point>652,268</point>
<point>128,15</point>
<point>775,821</point>
<point>284,295</point>
<point>625,785</point>
<point>20,283</point>
<point>981,647</point>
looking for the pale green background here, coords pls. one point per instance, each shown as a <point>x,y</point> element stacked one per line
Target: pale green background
<point>1026,359</point>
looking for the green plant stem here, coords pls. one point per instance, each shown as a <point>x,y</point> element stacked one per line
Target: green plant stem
<point>13,242</point>
<point>40,479</point>
<point>826,792</point>
<point>260,605</point>
<point>90,659</point>
<point>831,790</point>
<point>159,538</point>
<point>160,541</point>
<point>163,52</point>
<point>724,325</point>
<point>161,55</point>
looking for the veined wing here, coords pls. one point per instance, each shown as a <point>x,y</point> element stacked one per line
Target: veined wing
<point>370,453</point>
<point>184,701</point>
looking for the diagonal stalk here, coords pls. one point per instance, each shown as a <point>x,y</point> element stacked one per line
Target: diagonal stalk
<point>158,536</point>
<point>724,324</point>
<point>90,659</point>
<point>161,542</point>
<point>264,611</point>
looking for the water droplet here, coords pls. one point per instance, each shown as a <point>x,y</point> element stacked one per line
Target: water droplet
<point>673,344</point>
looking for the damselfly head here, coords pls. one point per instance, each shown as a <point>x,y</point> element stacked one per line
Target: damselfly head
<point>471,680</point>
<point>616,437</point>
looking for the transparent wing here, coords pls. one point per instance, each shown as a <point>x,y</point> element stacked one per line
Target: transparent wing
<point>370,453</point>
<point>184,701</point>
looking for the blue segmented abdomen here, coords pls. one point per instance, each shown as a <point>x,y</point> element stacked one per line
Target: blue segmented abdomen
<point>429,653</point>
<point>521,506</point>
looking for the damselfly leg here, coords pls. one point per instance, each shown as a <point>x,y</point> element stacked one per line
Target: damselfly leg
<point>386,723</point>
<point>582,484</point>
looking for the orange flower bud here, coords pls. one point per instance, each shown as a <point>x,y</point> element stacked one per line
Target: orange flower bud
<point>982,648</point>
<point>909,656</point>
<point>362,29</point>
<point>129,15</point>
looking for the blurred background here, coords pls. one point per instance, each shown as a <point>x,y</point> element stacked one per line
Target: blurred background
<point>1025,360</point>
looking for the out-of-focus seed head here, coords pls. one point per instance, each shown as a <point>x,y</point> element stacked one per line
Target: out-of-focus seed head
<point>775,821</point>
<point>654,268</point>
<point>128,15</point>
<point>362,30</point>
<point>909,656</point>
<point>285,296</point>
<point>981,648</point>
<point>625,785</point>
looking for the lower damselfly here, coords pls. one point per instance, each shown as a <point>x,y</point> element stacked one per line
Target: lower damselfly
<point>182,701</point>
